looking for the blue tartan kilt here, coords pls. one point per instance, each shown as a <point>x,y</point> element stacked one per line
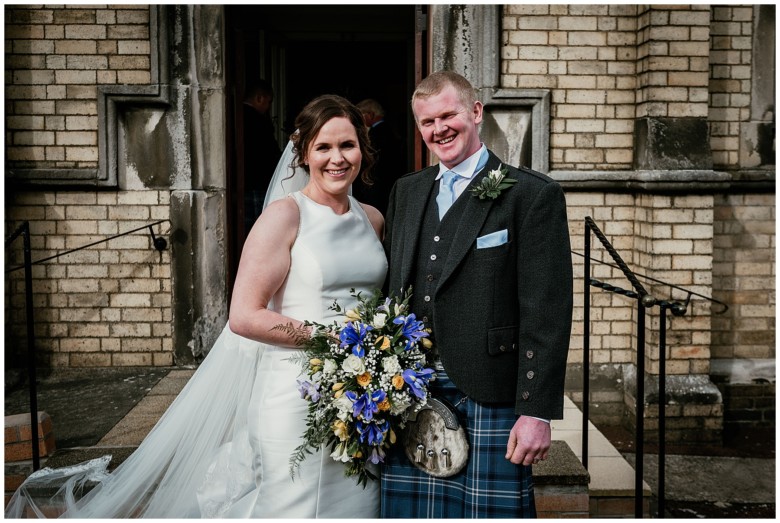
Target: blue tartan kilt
<point>489,487</point>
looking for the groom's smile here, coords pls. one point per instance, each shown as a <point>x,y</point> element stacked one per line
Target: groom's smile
<point>448,127</point>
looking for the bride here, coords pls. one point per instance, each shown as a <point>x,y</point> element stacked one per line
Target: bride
<point>223,447</point>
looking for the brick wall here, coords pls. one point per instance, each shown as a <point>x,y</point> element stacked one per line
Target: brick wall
<point>56,57</point>
<point>744,277</point>
<point>108,305</point>
<point>731,47</point>
<point>586,54</point>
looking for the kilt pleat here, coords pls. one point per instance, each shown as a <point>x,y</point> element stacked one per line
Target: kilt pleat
<point>489,487</point>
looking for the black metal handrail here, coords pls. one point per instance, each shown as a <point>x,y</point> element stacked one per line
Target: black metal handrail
<point>24,230</point>
<point>159,243</point>
<point>644,301</point>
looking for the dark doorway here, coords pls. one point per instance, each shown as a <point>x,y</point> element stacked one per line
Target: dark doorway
<point>356,51</point>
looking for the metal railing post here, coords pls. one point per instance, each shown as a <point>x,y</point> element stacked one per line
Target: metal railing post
<point>24,231</point>
<point>640,409</point>
<point>662,414</point>
<point>644,301</point>
<point>586,349</point>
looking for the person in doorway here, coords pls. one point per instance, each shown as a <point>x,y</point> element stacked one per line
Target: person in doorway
<point>491,270</point>
<point>223,447</point>
<point>261,150</point>
<point>390,157</point>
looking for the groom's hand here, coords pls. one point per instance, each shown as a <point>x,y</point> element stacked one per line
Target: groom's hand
<point>529,441</point>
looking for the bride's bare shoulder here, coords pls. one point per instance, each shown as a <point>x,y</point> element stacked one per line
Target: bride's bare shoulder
<point>280,217</point>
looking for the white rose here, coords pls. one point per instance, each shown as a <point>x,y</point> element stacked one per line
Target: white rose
<point>391,366</point>
<point>353,365</point>
<point>343,404</point>
<point>400,404</point>
<point>379,320</point>
<point>329,367</point>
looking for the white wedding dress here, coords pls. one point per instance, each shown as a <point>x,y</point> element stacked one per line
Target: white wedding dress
<point>223,447</point>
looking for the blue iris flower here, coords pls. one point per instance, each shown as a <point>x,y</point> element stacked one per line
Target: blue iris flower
<point>353,335</point>
<point>371,432</point>
<point>412,329</point>
<point>417,380</point>
<point>366,406</point>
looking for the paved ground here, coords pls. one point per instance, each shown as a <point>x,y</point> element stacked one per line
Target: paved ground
<point>87,406</point>
<point>733,480</point>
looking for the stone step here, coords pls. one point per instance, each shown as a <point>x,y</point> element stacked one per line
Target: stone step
<point>612,478</point>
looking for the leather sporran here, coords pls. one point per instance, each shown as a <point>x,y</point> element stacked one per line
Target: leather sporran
<point>434,440</point>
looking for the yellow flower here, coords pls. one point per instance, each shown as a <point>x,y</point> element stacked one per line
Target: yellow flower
<point>426,343</point>
<point>315,361</point>
<point>352,314</point>
<point>392,437</point>
<point>337,386</point>
<point>364,379</point>
<point>398,381</point>
<point>384,405</point>
<point>338,394</point>
<point>357,455</point>
<point>383,342</point>
<point>341,430</point>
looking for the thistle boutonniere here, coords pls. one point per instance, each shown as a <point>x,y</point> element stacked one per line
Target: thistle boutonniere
<point>492,184</point>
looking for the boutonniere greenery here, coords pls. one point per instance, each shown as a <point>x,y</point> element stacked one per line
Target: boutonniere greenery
<point>493,184</point>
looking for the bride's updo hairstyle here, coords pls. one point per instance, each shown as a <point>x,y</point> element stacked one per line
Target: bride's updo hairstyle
<point>316,114</point>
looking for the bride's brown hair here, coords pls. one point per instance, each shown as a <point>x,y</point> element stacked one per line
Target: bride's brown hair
<point>316,114</point>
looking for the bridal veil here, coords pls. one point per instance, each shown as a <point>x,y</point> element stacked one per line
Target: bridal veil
<point>196,461</point>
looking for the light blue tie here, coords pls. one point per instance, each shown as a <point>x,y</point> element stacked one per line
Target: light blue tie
<point>446,193</point>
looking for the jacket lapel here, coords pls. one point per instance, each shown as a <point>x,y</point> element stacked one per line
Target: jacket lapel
<point>471,222</point>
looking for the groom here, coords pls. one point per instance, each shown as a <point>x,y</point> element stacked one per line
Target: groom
<point>492,277</point>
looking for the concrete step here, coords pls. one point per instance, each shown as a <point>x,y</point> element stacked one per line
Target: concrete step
<point>612,478</point>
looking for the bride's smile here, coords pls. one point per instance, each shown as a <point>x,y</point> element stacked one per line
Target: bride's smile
<point>334,159</point>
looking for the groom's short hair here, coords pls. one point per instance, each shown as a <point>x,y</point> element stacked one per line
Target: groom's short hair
<point>438,81</point>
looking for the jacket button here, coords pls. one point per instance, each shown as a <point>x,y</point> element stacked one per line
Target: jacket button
<point>430,277</point>
<point>525,395</point>
<point>529,354</point>
<point>502,348</point>
<point>530,375</point>
<point>425,319</point>
<point>427,298</point>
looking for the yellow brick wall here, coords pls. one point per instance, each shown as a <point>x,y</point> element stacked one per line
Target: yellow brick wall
<point>731,47</point>
<point>586,54</point>
<point>56,57</point>
<point>745,275</point>
<point>108,305</point>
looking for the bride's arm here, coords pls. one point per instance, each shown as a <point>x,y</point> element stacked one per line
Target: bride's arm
<point>265,262</point>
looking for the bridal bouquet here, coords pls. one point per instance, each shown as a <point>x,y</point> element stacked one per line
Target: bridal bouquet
<point>362,378</point>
